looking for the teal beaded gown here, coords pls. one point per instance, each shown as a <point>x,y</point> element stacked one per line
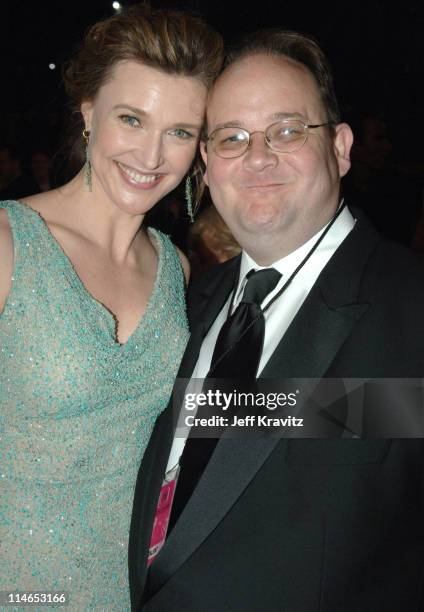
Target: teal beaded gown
<point>76,413</point>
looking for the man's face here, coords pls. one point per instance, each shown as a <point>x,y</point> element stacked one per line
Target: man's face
<point>274,202</point>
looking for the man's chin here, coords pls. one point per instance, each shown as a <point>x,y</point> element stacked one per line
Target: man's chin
<point>262,219</point>
<point>256,234</point>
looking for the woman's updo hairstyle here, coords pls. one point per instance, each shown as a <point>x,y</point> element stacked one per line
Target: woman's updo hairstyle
<point>176,42</point>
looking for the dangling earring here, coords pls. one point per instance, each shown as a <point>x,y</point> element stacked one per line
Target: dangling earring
<point>189,198</point>
<point>87,165</point>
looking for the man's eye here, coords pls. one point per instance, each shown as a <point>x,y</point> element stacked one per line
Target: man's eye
<point>290,132</point>
<point>234,138</point>
<point>130,120</point>
<point>180,133</point>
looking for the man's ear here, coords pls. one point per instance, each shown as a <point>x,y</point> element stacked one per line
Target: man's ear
<point>204,154</point>
<point>87,113</point>
<point>343,141</point>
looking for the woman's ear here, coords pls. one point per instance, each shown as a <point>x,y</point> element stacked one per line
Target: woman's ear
<point>204,154</point>
<point>87,112</point>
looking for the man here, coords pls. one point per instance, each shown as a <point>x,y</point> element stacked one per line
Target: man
<point>298,525</point>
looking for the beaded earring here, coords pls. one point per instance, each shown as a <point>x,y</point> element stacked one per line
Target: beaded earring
<point>87,165</point>
<point>189,198</point>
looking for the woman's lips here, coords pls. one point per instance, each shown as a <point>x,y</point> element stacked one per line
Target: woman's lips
<point>139,180</point>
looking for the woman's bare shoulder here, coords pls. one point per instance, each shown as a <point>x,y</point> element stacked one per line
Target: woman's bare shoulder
<point>6,257</point>
<point>40,201</point>
<point>4,223</point>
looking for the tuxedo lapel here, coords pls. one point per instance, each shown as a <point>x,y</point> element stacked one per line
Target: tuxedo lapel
<point>313,339</point>
<point>329,313</point>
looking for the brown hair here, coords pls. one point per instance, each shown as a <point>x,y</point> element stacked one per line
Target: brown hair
<point>221,241</point>
<point>175,42</point>
<point>298,47</point>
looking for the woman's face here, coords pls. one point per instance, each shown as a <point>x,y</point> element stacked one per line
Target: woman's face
<point>144,129</point>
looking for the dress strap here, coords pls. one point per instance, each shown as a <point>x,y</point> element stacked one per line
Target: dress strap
<point>173,269</point>
<point>31,237</point>
<point>25,223</point>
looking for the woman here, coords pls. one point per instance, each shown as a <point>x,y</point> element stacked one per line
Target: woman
<point>93,323</point>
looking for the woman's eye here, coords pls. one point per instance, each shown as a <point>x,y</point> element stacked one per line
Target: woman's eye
<point>180,133</point>
<point>130,120</point>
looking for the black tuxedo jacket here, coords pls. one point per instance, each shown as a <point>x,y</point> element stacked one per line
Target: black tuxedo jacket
<point>305,525</point>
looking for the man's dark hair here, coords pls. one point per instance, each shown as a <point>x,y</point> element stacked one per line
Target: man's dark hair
<point>297,47</point>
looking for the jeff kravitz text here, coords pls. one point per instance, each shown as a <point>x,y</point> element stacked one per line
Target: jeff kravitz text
<point>251,420</point>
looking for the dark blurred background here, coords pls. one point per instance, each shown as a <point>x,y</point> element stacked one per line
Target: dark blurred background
<point>376,51</point>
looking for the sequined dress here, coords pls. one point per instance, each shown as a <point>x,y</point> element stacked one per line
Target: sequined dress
<point>76,413</point>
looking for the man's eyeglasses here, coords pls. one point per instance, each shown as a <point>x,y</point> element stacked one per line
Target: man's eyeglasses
<point>286,136</point>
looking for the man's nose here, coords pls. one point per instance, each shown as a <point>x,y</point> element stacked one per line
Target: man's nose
<point>259,155</point>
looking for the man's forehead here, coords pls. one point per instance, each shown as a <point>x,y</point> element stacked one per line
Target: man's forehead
<point>260,66</point>
<point>277,116</point>
<point>274,86</point>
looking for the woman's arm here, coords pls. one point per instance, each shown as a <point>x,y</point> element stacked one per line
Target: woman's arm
<point>6,258</point>
<point>185,264</point>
